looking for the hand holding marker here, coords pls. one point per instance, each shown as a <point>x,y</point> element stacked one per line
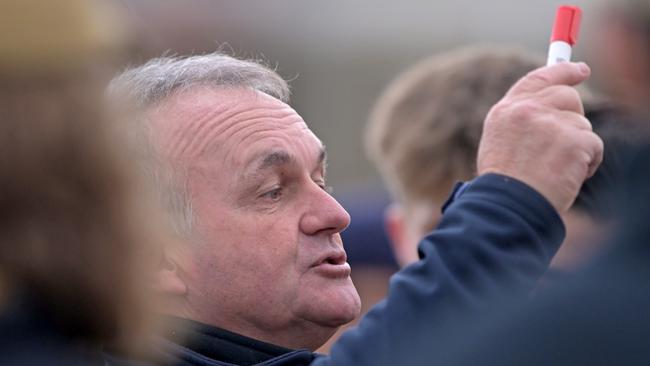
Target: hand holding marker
<point>565,34</point>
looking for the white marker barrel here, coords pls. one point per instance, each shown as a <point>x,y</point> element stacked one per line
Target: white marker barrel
<point>558,51</point>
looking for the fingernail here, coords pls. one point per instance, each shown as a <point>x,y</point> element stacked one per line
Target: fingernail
<point>584,69</point>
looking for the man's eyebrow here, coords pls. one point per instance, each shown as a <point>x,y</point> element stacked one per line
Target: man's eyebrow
<point>279,158</point>
<point>322,156</point>
<point>274,159</point>
<point>265,162</point>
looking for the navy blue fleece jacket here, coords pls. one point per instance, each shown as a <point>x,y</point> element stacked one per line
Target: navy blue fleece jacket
<point>495,239</point>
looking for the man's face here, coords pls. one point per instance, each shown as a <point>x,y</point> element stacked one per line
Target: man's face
<point>267,258</point>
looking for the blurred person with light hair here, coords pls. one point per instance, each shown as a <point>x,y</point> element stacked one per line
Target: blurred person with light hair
<point>424,133</point>
<point>76,230</point>
<point>260,275</point>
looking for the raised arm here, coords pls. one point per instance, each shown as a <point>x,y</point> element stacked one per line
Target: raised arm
<point>495,238</point>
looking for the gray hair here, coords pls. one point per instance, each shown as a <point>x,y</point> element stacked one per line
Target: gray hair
<point>158,79</point>
<point>161,77</point>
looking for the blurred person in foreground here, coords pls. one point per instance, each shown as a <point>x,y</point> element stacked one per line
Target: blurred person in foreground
<point>424,133</point>
<point>621,52</point>
<point>74,227</point>
<point>600,317</point>
<point>260,275</point>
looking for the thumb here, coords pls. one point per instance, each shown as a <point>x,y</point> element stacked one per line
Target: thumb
<point>564,73</point>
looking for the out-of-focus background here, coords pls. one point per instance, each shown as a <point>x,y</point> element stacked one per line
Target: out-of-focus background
<point>340,54</point>
<point>68,187</point>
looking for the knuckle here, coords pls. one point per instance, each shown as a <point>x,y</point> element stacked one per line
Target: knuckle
<point>593,144</point>
<point>497,111</point>
<point>564,97</point>
<point>599,143</point>
<point>524,110</point>
<point>579,122</point>
<point>586,124</point>
<point>569,93</point>
<point>538,78</point>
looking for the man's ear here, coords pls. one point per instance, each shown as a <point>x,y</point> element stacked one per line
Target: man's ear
<point>168,279</point>
<point>397,231</point>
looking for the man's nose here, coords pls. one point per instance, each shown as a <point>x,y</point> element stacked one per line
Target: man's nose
<point>324,214</point>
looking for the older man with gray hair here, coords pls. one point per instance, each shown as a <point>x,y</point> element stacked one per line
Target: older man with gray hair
<point>259,275</point>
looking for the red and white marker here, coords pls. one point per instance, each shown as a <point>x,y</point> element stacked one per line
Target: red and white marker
<point>565,34</point>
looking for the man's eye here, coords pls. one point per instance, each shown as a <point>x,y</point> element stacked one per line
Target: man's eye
<point>325,187</point>
<point>328,189</point>
<point>273,194</point>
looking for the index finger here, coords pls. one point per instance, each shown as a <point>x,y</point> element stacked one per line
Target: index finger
<point>564,73</point>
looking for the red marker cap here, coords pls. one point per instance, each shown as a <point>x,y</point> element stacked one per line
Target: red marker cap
<point>567,24</point>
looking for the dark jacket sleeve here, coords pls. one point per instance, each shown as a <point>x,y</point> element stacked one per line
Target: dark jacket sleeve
<point>497,238</point>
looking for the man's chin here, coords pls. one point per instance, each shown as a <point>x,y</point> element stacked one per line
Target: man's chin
<point>332,305</point>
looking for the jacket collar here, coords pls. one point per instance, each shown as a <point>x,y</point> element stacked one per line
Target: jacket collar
<point>219,344</point>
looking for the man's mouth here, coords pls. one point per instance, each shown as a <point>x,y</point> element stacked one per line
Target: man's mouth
<point>333,264</point>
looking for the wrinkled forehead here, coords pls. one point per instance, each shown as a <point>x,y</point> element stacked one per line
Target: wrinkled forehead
<point>203,120</point>
<point>200,99</point>
<point>200,105</point>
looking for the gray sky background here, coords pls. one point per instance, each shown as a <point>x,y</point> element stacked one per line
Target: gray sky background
<point>340,54</point>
